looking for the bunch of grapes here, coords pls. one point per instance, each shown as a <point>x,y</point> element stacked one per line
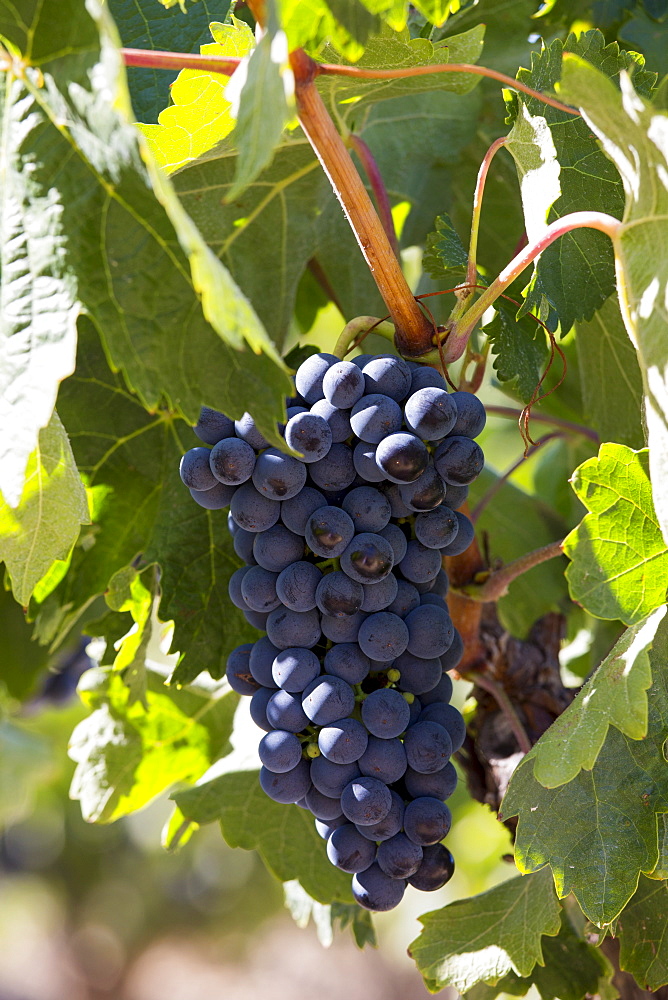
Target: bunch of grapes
<point>343,549</point>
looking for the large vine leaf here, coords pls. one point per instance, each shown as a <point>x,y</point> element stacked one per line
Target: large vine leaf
<point>52,507</point>
<point>635,137</point>
<point>183,28</point>
<point>611,833</point>
<point>284,836</point>
<point>619,565</point>
<point>122,255</point>
<point>606,358</point>
<point>563,170</point>
<point>643,938</point>
<point>141,508</point>
<point>572,970</point>
<point>483,938</point>
<point>128,752</point>
<point>615,695</point>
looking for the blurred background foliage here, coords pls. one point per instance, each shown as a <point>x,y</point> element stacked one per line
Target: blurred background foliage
<point>97,911</point>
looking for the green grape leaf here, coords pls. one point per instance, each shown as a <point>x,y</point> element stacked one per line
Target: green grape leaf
<point>515,523</point>
<point>153,261</point>
<point>572,970</point>
<point>149,26</point>
<point>485,937</point>
<point>444,251</point>
<point>46,523</point>
<point>199,115</point>
<point>127,753</point>
<point>632,134</point>
<point>641,929</point>
<point>562,169</point>
<point>284,836</point>
<point>611,833</point>
<point>606,358</point>
<point>619,559</point>
<point>326,917</point>
<point>661,870</point>
<point>130,460</point>
<point>127,592</point>
<point>520,350</point>
<point>22,659</point>
<point>615,695</point>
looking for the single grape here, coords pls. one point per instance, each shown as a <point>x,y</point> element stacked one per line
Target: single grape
<point>195,470</point>
<point>471,416</point>
<point>406,600</point>
<point>253,511</point>
<point>383,759</point>
<point>399,857</point>
<point>342,629</point>
<point>246,430</point>
<point>234,587</point>
<point>232,461</point>
<point>284,711</point>
<point>261,662</point>
<point>280,751</point>
<point>397,539</point>
<point>331,778</point>
<point>428,747</point>
<point>288,628</point>
<point>383,636</point>
<point>339,596</point>
<point>296,511</point>
<point>343,741</point>
<point>258,708</point>
<point>277,547</point>
<point>278,476</point>
<point>325,828</point>
<point>441,584</point>
<point>435,599</point>
<point>337,420</point>
<point>349,850</point>
<point>397,506</point>
<point>362,359</point>
<point>449,718</point>
<point>452,656</point>
<point>258,619</point>
<point>389,826</point>
<point>290,786</point>
<point>296,585</point>
<point>322,806</point>
<point>420,564</point>
<point>426,493</point>
<point>238,670</point>
<point>424,376</point>
<point>375,416</point>
<point>459,460</point>
<point>309,376</point>
<point>465,534</point>
<point>214,499</point>
<point>430,631</point>
<point>455,496</point>
<point>438,785</point>
<point>243,544</point>
<point>442,692</point>
<point>258,589</point>
<point>310,435</point>
<point>430,413</point>
<point>364,460</point>
<point>347,661</point>
<point>402,457</point>
<point>368,558</point>
<point>368,508</point>
<point>327,699</point>
<point>294,668</point>
<point>437,868</point>
<point>213,426</point>
<point>343,384</point>
<point>388,375</point>
<point>379,596</point>
<point>328,532</point>
<point>374,890</point>
<point>418,675</point>
<point>385,713</point>
<point>427,820</point>
<point>335,471</point>
<point>365,801</point>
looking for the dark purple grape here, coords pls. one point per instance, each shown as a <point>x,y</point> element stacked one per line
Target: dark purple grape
<point>427,820</point>
<point>337,420</point>
<point>322,806</point>
<point>253,511</point>
<point>246,430</point>
<point>339,596</point>
<point>465,534</point>
<point>430,413</point>
<point>374,890</point>
<point>389,826</point>
<point>388,375</point>
<point>423,376</point>
<point>295,668</point>
<point>347,661</point>
<point>258,708</point>
<point>288,628</point>
<point>420,564</point>
<point>375,416</point>
<point>232,461</point>
<point>368,558</point>
<point>238,670</point>
<point>217,498</point>
<point>195,470</point>
<point>417,675</point>
<point>309,376</point>
<point>364,460</point>
<point>258,589</point>
<point>459,460</point>
<point>438,785</point>
<point>343,384</point>
<point>335,471</point>
<point>437,868</point>
<point>343,741</point>
<point>383,759</point>
<point>342,629</point>
<point>385,713</point>
<point>365,801</point>
<point>397,539</point>
<point>284,711</point>
<point>296,585</point>
<point>428,747</point>
<point>426,493</point>
<point>327,699</point>
<point>402,457</point>
<point>368,508</point>
<point>349,850</point>
<point>331,778</point>
<point>296,511</point>
<point>213,426</point>
<point>406,600</point>
<point>291,786</point>
<point>383,636</point>
<point>430,631</point>
<point>328,531</point>
<point>449,718</point>
<point>399,857</point>
<point>442,692</point>
<point>379,596</point>
<point>278,476</point>
<point>452,656</point>
<point>277,548</point>
<point>310,435</point>
<point>280,751</point>
<point>471,416</point>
